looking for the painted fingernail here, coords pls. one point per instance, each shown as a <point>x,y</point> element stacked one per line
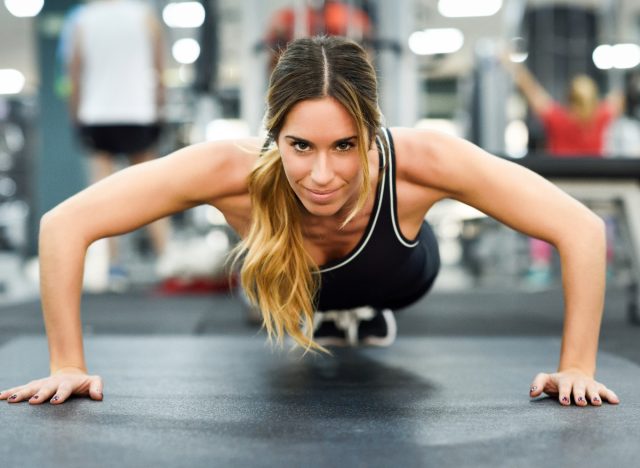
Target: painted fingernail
<point>533,389</point>
<point>35,397</point>
<point>580,399</point>
<point>55,398</point>
<point>565,399</point>
<point>13,397</point>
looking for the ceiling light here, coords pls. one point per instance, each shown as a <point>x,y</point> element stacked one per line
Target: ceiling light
<point>621,56</point>
<point>436,41</point>
<point>24,8</point>
<point>602,57</point>
<point>186,50</point>
<point>626,55</point>
<point>468,8</point>
<point>183,15</point>
<point>11,81</point>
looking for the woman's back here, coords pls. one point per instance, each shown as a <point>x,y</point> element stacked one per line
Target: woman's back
<point>568,136</point>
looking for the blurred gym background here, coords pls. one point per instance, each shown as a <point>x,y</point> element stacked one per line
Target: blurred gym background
<point>439,65</point>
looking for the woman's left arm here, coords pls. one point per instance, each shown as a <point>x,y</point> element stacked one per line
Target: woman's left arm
<point>523,200</point>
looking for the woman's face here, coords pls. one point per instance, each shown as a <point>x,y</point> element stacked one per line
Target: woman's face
<point>318,143</point>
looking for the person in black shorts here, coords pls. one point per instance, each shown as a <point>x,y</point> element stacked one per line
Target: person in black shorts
<point>331,214</point>
<point>117,94</point>
<point>127,139</point>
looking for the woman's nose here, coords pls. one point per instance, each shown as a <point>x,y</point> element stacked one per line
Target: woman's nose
<point>321,172</point>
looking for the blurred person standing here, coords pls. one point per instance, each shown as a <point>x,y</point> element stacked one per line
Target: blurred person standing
<point>115,70</point>
<point>577,129</point>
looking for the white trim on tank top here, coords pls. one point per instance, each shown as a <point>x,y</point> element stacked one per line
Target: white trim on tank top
<point>391,197</point>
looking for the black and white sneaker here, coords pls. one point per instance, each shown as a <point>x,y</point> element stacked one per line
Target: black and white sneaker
<point>376,327</point>
<point>360,326</point>
<point>334,328</point>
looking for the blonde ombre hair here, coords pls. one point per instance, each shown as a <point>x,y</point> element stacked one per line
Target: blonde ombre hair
<point>278,275</point>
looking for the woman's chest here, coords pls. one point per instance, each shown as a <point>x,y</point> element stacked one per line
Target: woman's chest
<point>326,242</point>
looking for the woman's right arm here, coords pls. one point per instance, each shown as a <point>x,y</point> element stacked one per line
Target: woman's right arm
<point>203,173</point>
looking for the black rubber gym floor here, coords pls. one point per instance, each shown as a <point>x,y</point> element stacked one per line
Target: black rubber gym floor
<point>189,383</point>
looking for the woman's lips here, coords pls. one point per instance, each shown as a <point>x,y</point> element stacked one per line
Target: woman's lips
<point>320,196</point>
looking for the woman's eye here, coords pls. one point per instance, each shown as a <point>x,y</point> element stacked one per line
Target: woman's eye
<point>344,146</point>
<point>300,146</point>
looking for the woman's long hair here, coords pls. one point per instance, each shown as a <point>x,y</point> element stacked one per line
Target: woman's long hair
<point>278,275</point>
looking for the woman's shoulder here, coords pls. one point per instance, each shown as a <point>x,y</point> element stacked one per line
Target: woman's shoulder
<point>216,169</point>
<point>235,155</point>
<point>419,150</point>
<point>422,155</point>
<point>230,149</point>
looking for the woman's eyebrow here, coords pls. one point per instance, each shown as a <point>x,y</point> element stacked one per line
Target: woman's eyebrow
<point>341,140</point>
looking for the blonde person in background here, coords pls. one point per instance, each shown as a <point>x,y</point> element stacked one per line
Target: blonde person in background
<point>331,213</point>
<point>116,69</point>
<point>576,129</point>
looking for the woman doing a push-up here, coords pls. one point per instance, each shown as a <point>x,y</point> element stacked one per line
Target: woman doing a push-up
<point>331,215</point>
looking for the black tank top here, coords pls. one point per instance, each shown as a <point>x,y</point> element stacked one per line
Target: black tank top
<point>384,270</point>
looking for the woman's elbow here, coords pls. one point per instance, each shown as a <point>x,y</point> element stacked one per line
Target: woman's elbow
<point>58,227</point>
<point>588,231</point>
<point>597,225</point>
<point>592,228</point>
<point>51,217</point>
<point>47,219</point>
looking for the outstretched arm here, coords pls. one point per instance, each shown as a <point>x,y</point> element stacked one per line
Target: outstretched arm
<point>530,204</point>
<point>205,173</point>
<point>535,94</point>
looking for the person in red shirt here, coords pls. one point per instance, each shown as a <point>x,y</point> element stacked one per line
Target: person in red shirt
<point>577,129</point>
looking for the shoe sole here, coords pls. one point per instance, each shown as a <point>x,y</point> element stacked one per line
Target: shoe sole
<point>328,340</point>
<point>392,331</point>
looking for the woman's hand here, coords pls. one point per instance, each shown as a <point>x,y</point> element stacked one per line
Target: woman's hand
<point>572,382</point>
<point>57,388</point>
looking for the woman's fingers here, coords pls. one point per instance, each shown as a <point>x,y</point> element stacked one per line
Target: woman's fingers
<point>65,389</point>
<point>579,394</point>
<point>612,397</point>
<point>21,393</point>
<point>5,394</point>
<point>593,395</point>
<point>538,384</point>
<point>43,394</point>
<point>566,384</point>
<point>95,389</point>
<point>564,392</point>
<point>56,389</point>
<point>597,392</point>
<point>9,393</point>
<point>14,396</point>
